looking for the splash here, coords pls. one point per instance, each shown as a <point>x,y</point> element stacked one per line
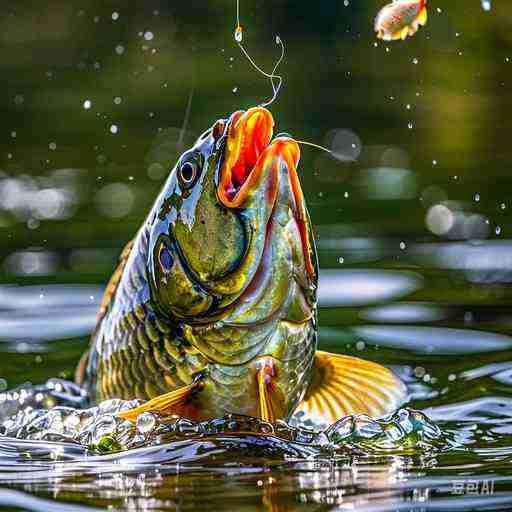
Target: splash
<point>52,412</point>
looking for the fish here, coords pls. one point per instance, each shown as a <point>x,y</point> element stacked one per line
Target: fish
<point>400,19</point>
<point>212,309</point>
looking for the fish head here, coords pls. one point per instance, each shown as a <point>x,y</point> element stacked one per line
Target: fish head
<point>211,227</point>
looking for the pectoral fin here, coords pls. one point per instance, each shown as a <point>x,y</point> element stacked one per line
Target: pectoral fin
<point>344,385</point>
<point>271,400</point>
<point>168,403</point>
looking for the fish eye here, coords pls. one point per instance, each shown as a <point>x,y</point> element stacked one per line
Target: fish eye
<point>188,173</point>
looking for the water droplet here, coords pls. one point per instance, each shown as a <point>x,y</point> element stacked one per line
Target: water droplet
<point>119,49</point>
<point>33,223</point>
<point>105,425</point>
<point>118,100</point>
<point>148,35</point>
<point>146,422</point>
<point>419,371</point>
<point>72,422</point>
<point>114,129</point>
<point>115,15</point>
<point>87,104</point>
<point>341,429</point>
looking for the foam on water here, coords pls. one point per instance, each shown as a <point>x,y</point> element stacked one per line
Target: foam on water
<point>49,412</point>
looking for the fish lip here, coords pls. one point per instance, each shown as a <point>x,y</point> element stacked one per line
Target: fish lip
<point>247,145</point>
<point>262,165</point>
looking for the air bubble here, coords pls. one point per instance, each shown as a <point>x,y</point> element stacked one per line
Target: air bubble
<point>146,422</point>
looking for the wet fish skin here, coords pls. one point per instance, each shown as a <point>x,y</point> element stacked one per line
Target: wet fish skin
<point>214,288</point>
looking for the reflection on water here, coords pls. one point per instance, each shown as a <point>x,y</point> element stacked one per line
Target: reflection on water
<point>434,340</point>
<point>471,405</point>
<point>30,314</point>
<point>361,287</point>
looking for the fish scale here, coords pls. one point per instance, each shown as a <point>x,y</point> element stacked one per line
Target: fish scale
<point>136,336</point>
<point>213,308</point>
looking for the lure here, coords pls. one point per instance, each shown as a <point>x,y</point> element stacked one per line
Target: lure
<point>400,19</point>
<point>276,80</point>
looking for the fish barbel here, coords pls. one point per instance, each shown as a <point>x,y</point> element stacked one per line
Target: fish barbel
<point>213,307</point>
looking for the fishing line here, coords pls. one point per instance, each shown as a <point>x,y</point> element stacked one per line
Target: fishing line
<point>271,76</point>
<point>276,87</point>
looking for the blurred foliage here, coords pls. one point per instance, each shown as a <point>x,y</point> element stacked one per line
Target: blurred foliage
<point>55,55</point>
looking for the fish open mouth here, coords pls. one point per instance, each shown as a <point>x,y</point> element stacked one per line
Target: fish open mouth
<point>249,145</point>
<point>249,133</point>
<point>251,156</point>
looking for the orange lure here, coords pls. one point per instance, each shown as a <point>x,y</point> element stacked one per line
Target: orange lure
<point>400,19</point>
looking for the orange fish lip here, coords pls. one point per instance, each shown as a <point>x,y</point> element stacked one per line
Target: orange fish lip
<point>249,148</point>
<point>251,157</point>
<point>249,134</point>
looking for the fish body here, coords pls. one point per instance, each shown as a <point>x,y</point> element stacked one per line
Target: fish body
<point>213,308</point>
<point>400,19</point>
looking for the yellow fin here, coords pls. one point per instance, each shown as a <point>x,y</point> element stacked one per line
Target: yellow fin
<point>344,385</point>
<point>422,17</point>
<point>404,33</point>
<point>167,403</point>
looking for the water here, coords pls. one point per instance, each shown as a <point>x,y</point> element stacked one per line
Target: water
<point>412,224</point>
<point>460,377</point>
